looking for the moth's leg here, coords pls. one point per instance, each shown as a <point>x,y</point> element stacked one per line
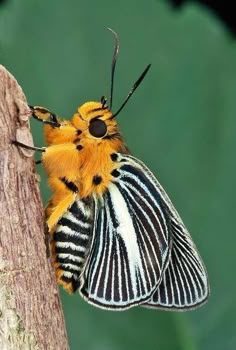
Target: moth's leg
<point>64,196</point>
<point>43,115</point>
<point>20,144</point>
<point>38,161</point>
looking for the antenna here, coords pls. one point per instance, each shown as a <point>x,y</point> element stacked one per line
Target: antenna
<point>113,65</point>
<point>136,84</point>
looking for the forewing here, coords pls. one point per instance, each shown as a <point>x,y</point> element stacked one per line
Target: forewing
<point>131,239</point>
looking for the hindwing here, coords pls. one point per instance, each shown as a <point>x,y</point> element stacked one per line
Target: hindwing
<point>184,284</point>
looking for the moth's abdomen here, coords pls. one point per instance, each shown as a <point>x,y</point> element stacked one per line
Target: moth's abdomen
<point>71,241</point>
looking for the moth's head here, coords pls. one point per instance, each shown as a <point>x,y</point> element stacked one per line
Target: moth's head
<point>95,120</point>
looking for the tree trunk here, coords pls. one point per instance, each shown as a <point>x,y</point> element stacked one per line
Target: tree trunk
<point>31,315</point>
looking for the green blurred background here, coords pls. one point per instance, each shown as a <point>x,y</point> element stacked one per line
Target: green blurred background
<point>181,122</point>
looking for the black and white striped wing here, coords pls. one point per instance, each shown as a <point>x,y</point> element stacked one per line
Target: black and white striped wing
<point>131,240</point>
<point>141,249</point>
<point>184,284</point>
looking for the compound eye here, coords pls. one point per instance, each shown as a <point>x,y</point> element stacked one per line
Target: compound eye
<point>97,128</point>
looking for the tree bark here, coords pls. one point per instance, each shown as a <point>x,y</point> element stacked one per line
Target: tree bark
<point>31,315</point>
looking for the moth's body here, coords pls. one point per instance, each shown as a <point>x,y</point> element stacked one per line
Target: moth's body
<point>78,165</point>
<point>115,235</point>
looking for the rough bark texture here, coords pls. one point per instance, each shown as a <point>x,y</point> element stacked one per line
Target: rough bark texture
<point>30,309</point>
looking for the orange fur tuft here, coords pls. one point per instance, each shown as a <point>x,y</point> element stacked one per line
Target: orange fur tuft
<point>73,153</point>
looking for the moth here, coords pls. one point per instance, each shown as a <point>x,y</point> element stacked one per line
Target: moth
<point>115,235</point>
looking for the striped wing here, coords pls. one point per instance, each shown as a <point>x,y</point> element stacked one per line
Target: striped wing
<point>184,284</point>
<point>131,240</point>
<point>141,251</point>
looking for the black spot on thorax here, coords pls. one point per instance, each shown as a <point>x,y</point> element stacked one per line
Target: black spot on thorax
<point>69,184</point>
<point>97,179</point>
<point>114,157</point>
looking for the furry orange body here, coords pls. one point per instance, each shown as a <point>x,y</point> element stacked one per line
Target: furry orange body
<point>77,157</point>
